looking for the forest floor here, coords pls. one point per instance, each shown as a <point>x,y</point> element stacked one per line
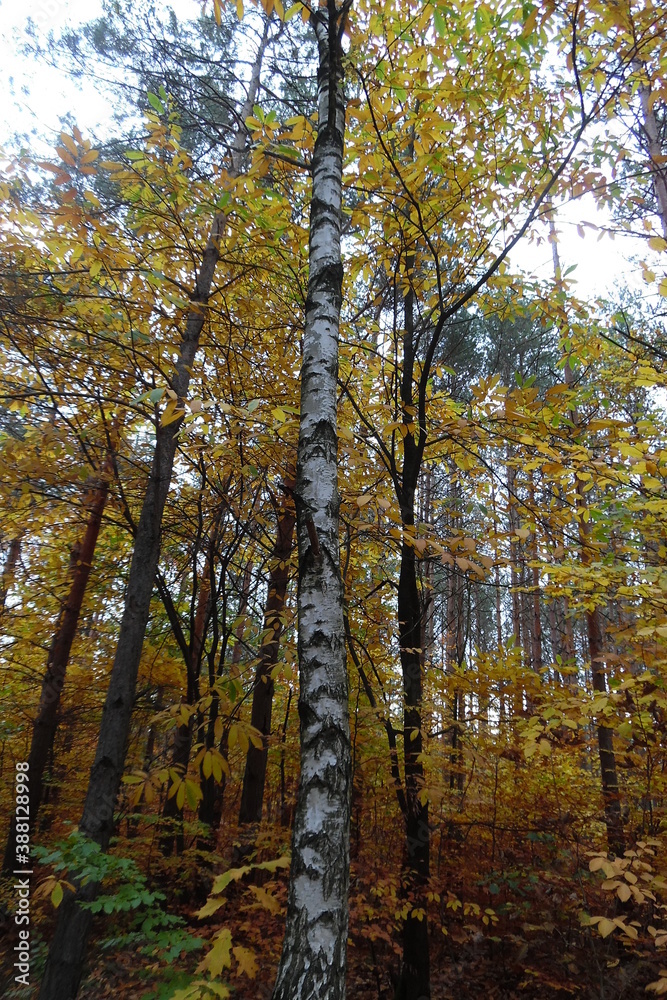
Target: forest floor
<point>463,965</point>
<point>512,932</point>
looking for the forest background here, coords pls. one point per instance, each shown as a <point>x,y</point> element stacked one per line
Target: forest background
<point>501,467</point>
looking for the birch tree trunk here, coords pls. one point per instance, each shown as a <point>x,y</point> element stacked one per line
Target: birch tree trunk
<point>314,956</point>
<point>9,569</point>
<point>64,964</point>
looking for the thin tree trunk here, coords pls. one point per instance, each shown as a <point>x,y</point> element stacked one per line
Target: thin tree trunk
<point>64,964</point>
<point>414,982</point>
<point>9,569</point>
<point>46,721</point>
<point>172,813</point>
<point>219,787</point>
<point>536,630</point>
<point>314,956</point>
<point>655,153</point>
<point>254,777</point>
<point>285,812</point>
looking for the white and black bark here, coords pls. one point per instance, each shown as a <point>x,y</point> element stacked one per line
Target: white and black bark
<point>313,961</point>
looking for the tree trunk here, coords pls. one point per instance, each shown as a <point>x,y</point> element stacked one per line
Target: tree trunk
<point>536,629</point>
<point>64,965</point>
<point>172,814</point>
<point>655,153</point>
<point>414,982</point>
<point>252,795</point>
<point>314,956</point>
<point>415,974</point>
<point>46,721</point>
<point>9,569</point>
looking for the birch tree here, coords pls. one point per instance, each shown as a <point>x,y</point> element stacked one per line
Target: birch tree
<point>313,961</point>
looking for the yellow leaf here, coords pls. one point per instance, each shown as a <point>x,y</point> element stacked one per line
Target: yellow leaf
<point>209,907</point>
<point>623,892</point>
<point>657,243</point>
<point>279,9</point>
<point>363,500</point>
<point>172,413</point>
<point>265,899</point>
<point>57,895</point>
<point>69,144</point>
<point>662,288</point>
<point>66,156</point>
<point>246,959</point>
<point>605,927</point>
<point>239,10</point>
<point>219,957</point>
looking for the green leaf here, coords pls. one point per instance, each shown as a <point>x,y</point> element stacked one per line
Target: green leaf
<point>156,103</point>
<point>439,22</point>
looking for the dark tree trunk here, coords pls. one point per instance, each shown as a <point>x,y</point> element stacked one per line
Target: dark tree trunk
<point>172,836</point>
<point>415,976</point>
<point>414,982</point>
<point>172,813</point>
<point>252,795</point>
<point>609,774</point>
<point>64,965</point>
<point>46,721</point>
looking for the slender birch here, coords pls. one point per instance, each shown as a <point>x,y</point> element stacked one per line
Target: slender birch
<point>313,961</point>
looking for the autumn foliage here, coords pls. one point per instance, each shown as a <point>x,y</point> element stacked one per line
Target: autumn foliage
<point>502,524</point>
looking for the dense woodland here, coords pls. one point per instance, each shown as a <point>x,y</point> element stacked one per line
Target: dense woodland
<point>333,597</point>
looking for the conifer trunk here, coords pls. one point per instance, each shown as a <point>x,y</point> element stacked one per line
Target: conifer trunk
<point>64,965</point>
<point>46,721</point>
<point>314,956</point>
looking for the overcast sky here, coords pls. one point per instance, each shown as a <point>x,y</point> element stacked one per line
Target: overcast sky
<point>35,96</point>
